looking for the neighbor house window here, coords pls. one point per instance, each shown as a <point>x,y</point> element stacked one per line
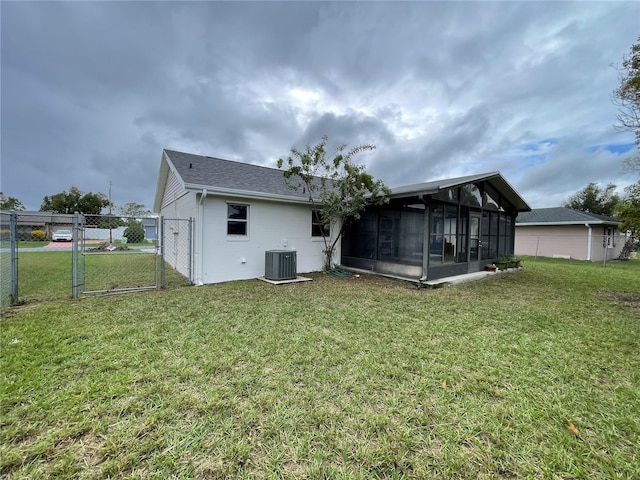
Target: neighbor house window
<point>609,239</point>
<point>237,219</point>
<point>318,228</point>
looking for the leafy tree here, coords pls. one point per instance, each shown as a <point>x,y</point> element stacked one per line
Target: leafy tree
<point>594,199</point>
<point>132,209</point>
<point>627,95</point>
<point>10,203</point>
<point>629,209</point>
<point>632,164</point>
<point>134,233</point>
<point>75,201</point>
<point>337,187</point>
<point>109,221</point>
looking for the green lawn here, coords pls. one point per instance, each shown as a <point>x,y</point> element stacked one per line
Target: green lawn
<point>336,378</point>
<point>34,244</point>
<point>48,275</point>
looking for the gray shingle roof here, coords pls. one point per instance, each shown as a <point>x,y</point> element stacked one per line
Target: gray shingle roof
<point>198,171</point>
<point>563,215</point>
<point>211,172</point>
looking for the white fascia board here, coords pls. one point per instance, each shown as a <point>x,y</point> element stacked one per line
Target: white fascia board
<point>231,192</point>
<point>160,184</point>
<point>166,166</point>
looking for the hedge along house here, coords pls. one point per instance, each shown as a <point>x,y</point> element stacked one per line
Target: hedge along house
<point>436,229</point>
<point>240,211</point>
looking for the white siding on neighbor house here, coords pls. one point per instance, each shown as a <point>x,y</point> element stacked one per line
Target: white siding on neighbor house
<point>271,226</point>
<point>566,241</point>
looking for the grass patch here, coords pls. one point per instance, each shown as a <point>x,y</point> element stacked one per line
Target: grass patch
<point>144,243</point>
<point>48,275</point>
<point>44,275</point>
<point>336,378</point>
<point>34,244</point>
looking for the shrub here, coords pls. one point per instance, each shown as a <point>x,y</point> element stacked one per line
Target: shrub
<point>38,235</point>
<point>134,233</point>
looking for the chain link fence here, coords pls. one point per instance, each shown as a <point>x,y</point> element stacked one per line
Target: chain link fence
<point>118,254</point>
<point>177,247</point>
<point>48,256</point>
<point>8,284</point>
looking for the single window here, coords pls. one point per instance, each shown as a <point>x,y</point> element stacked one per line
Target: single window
<point>609,238</point>
<point>318,228</point>
<point>237,219</point>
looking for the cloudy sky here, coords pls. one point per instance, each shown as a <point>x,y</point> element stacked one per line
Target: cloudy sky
<point>93,91</point>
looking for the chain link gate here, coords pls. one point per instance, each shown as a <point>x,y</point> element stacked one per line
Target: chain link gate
<point>177,248</point>
<point>123,254</point>
<point>117,254</point>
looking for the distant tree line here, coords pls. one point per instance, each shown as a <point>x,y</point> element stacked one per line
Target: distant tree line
<point>74,200</point>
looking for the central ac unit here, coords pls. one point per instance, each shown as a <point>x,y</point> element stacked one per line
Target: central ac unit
<point>280,265</point>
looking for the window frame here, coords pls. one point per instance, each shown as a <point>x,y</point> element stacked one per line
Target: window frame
<point>318,224</point>
<point>236,221</point>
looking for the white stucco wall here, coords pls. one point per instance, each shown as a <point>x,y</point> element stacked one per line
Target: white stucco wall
<point>271,226</point>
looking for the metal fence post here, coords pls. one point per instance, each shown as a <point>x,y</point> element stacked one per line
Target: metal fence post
<point>161,226</point>
<point>13,240</point>
<point>74,257</point>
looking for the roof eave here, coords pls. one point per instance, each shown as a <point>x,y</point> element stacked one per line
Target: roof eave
<point>161,183</point>
<point>235,193</point>
<point>573,222</point>
<point>414,193</point>
<point>507,191</point>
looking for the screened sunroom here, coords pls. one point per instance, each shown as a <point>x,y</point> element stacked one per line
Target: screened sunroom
<point>436,229</point>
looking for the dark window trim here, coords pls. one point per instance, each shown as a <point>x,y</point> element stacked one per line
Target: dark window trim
<point>318,228</point>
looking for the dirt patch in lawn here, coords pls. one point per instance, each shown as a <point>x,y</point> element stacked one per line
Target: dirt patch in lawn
<point>628,299</point>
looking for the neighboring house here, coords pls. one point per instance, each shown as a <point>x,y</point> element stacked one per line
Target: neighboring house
<point>242,210</point>
<point>566,233</point>
<point>150,226</point>
<point>27,221</point>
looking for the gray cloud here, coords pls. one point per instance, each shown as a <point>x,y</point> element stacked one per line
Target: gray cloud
<point>92,91</point>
